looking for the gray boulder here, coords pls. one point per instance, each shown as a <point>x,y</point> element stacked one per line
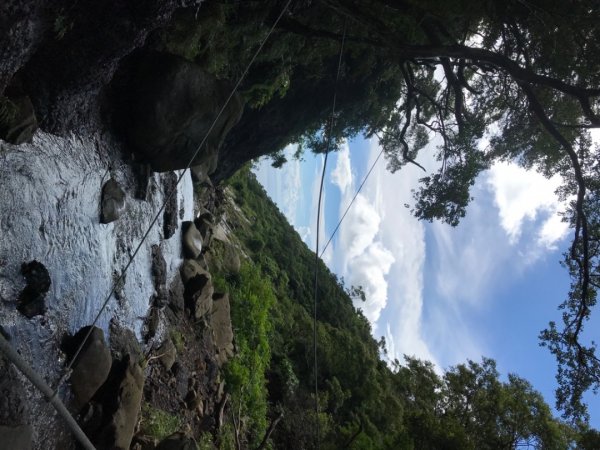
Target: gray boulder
<point>192,240</point>
<point>168,353</point>
<point>173,103</point>
<point>91,368</point>
<point>113,201</point>
<point>118,429</point>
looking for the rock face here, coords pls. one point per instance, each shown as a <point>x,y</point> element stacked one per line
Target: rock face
<point>92,366</point>
<point>172,104</point>
<point>220,322</point>
<point>192,240</point>
<point>17,438</point>
<point>198,288</point>
<point>32,298</point>
<point>113,201</point>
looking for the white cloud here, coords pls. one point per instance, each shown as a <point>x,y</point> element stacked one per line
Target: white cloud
<point>284,185</point>
<point>523,196</point>
<point>341,176</point>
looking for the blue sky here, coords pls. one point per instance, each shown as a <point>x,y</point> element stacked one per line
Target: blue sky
<point>484,288</point>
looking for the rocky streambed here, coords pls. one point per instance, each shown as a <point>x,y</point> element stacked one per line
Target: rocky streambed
<point>58,261</point>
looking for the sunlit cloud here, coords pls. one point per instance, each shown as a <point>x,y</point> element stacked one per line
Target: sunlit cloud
<point>525,195</point>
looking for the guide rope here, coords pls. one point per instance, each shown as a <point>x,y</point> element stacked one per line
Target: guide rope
<point>327,149</point>
<point>167,199</point>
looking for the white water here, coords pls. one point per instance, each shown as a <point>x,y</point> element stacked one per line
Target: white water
<point>50,208</point>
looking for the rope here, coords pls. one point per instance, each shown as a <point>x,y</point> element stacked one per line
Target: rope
<point>169,196</point>
<point>351,202</point>
<point>50,395</point>
<point>327,148</point>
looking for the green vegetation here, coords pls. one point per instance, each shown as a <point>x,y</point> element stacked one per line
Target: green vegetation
<point>251,299</point>
<point>157,423</point>
<point>523,78</point>
<point>363,402</point>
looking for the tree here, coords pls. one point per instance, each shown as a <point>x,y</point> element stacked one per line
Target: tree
<point>496,80</point>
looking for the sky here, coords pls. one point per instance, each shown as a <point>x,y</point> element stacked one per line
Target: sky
<point>446,294</point>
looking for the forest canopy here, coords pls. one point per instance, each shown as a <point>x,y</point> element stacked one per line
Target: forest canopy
<point>495,80</point>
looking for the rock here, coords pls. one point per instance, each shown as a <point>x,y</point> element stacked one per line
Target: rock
<point>159,278</point>
<point>17,119</point>
<point>15,438</point>
<point>173,103</point>
<point>168,354</point>
<point>92,366</point>
<point>198,288</point>
<point>169,184</point>
<point>205,225</point>
<point>231,259</point>
<point>32,298</point>
<point>220,322</point>
<point>191,269</point>
<point>177,441</point>
<point>129,399</point>
<point>176,289</point>
<point>152,322</point>
<point>123,342</point>
<point>113,201</point>
<point>192,240</point>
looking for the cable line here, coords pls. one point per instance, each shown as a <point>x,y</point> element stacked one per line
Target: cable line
<point>351,202</point>
<point>327,148</point>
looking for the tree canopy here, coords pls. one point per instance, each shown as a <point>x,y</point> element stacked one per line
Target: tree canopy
<point>495,80</point>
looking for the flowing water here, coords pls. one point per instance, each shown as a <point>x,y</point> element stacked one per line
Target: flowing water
<point>50,194</point>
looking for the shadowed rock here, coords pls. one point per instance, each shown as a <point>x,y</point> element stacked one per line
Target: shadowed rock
<point>113,202</point>
<point>172,105</point>
<point>92,366</point>
<point>32,299</point>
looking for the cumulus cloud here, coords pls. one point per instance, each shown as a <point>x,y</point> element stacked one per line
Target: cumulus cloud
<point>523,196</point>
<point>341,175</point>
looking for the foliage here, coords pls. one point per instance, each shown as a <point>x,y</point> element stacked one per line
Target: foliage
<point>490,80</point>
<point>363,402</point>
<point>251,297</point>
<point>157,423</point>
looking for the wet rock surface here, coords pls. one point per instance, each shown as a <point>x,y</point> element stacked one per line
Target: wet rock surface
<point>113,202</point>
<point>170,212</point>
<point>32,299</point>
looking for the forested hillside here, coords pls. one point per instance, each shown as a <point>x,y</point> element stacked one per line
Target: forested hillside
<point>364,402</point>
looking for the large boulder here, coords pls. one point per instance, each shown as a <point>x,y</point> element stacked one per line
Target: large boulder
<point>121,403</point>
<point>192,240</point>
<point>92,366</point>
<point>172,104</point>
